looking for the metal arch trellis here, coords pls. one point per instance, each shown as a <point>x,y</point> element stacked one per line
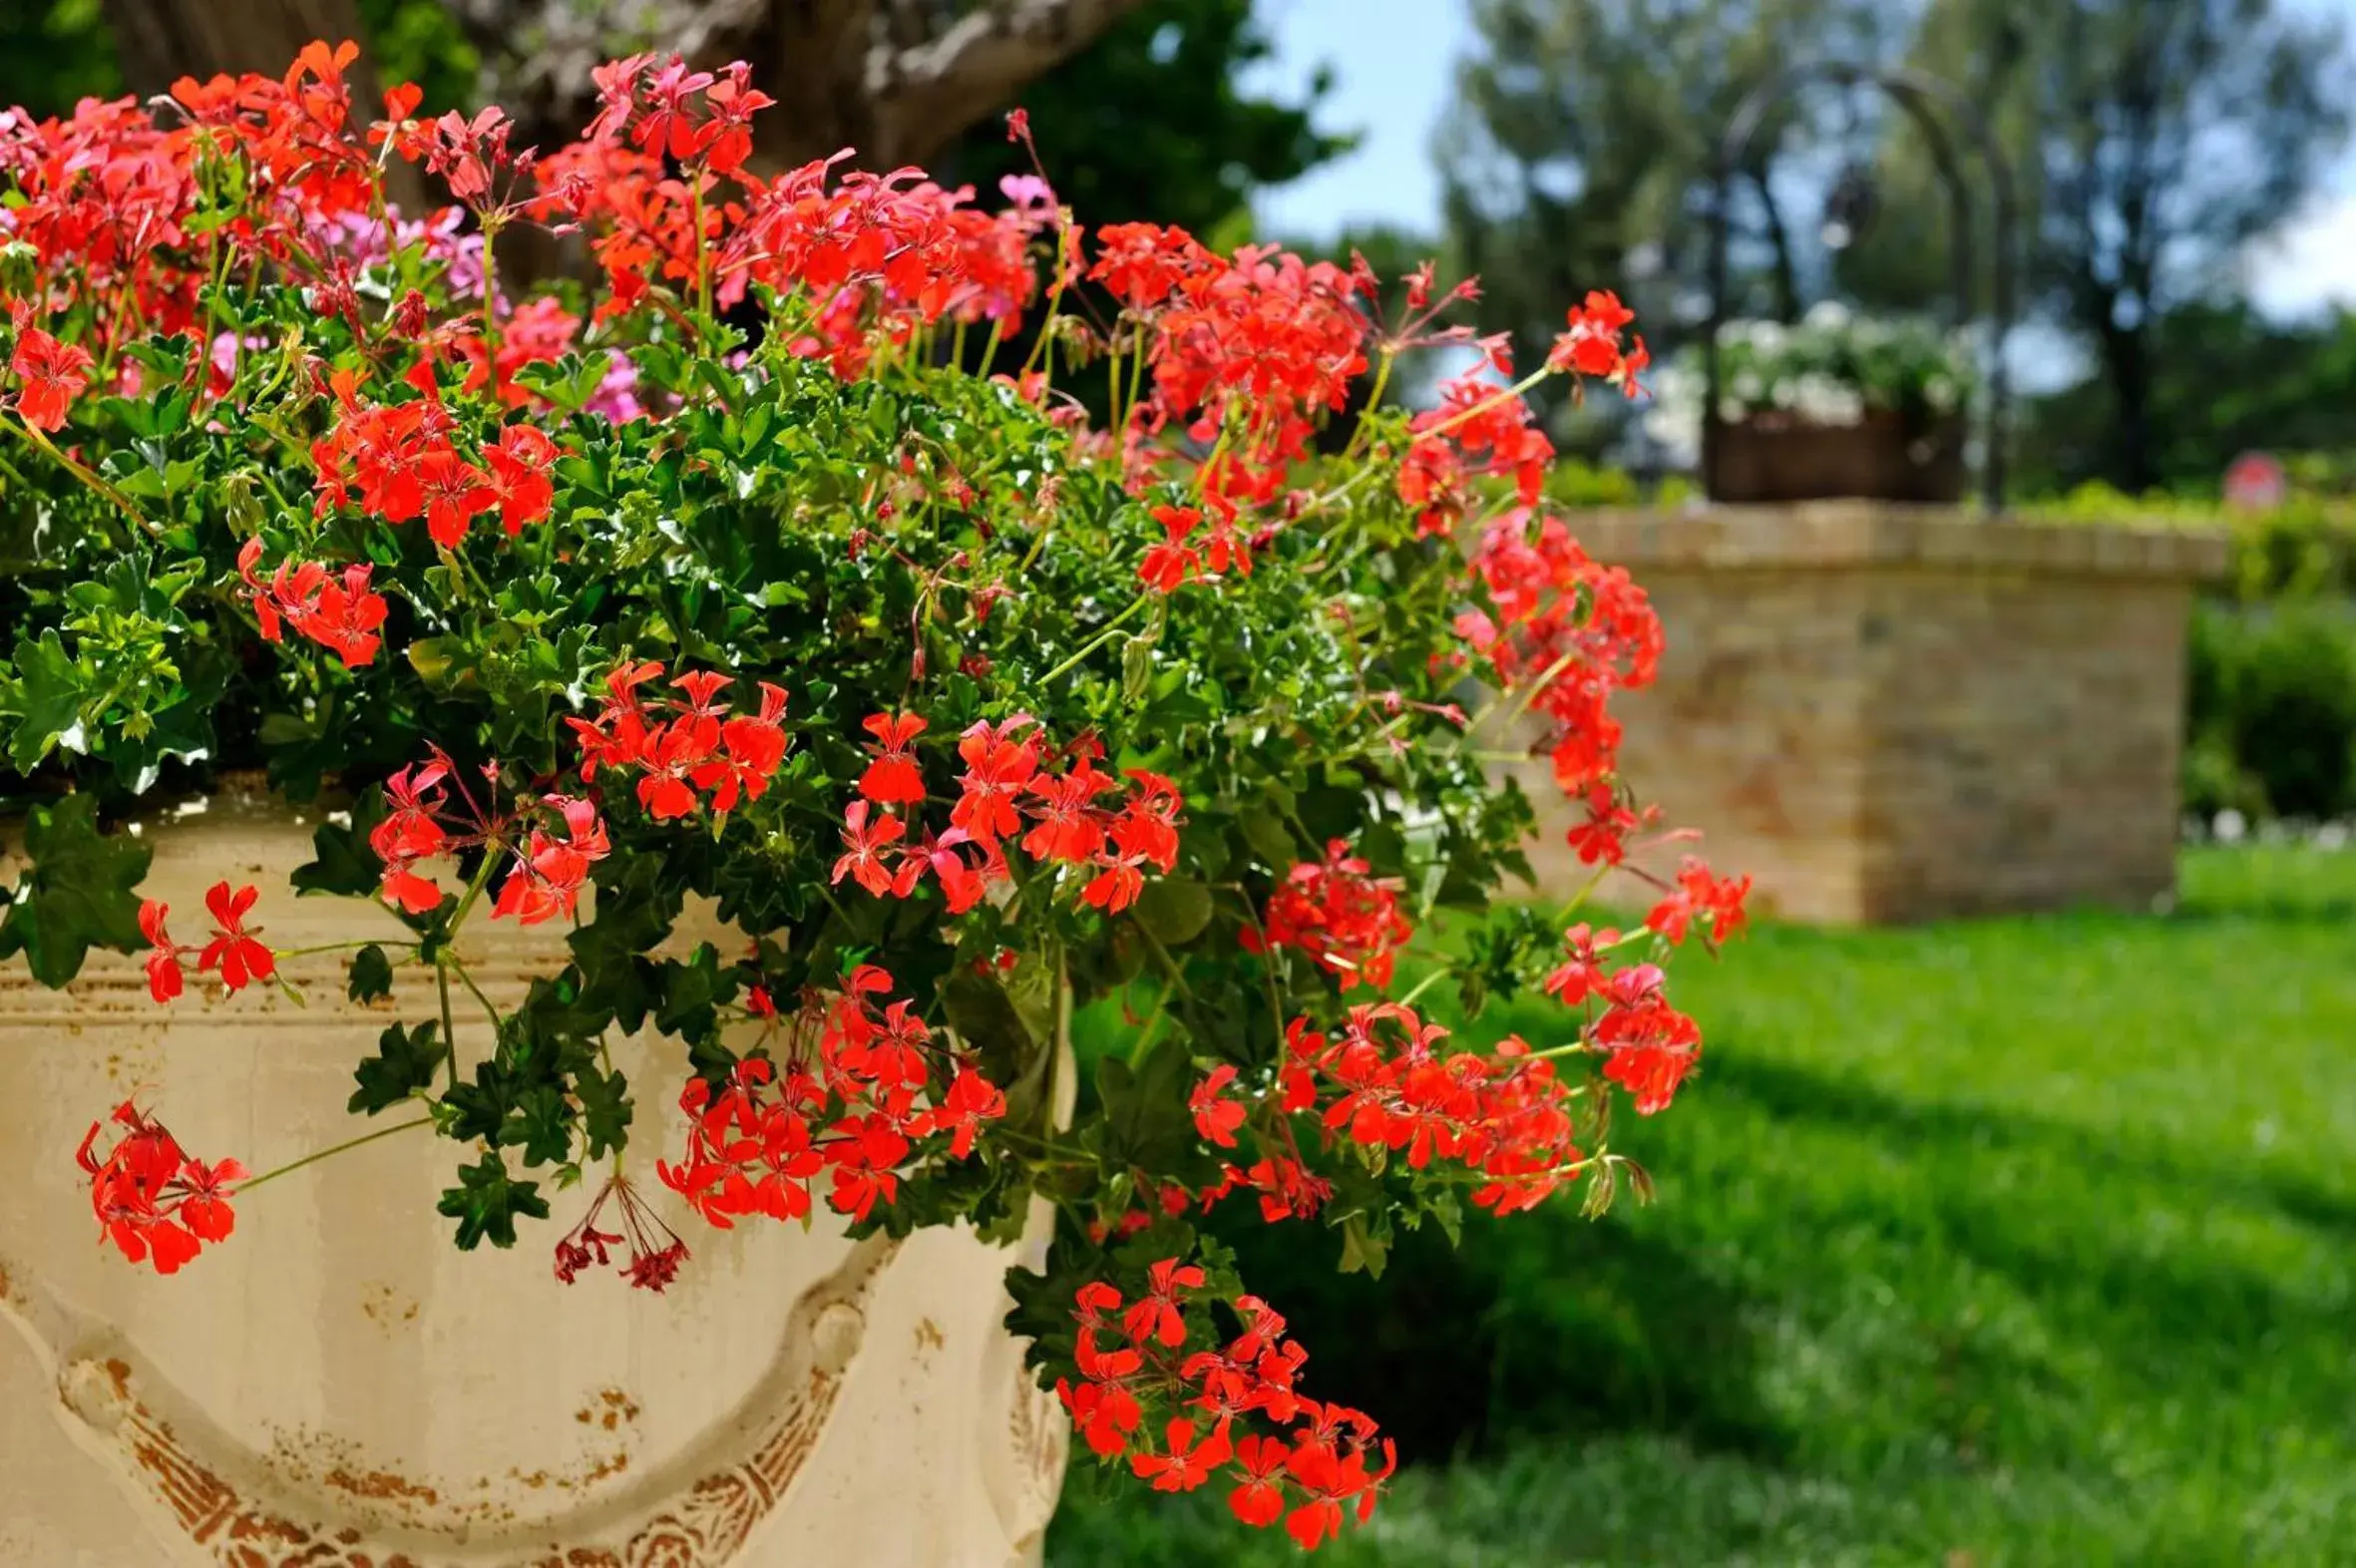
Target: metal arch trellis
<point>1914,91</point>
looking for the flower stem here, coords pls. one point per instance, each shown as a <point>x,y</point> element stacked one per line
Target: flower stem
<point>1424,985</point>
<point>340,1148</point>
<point>1103,635</point>
<point>449,1031</point>
<point>1529,694</point>
<point>33,433</point>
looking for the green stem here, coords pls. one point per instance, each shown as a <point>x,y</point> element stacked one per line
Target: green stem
<point>341,947</point>
<point>491,306</point>
<point>33,433</point>
<point>449,1030</point>
<point>1424,985</point>
<point>703,269</point>
<point>348,1144</point>
<point>468,981</point>
<point>1529,694</point>
<point>1366,418</point>
<point>1103,635</point>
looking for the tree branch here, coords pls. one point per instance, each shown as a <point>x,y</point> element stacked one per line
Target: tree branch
<point>926,95</point>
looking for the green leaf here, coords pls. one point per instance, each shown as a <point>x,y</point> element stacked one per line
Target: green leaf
<point>692,992</point>
<point>371,976</point>
<point>341,863</point>
<point>404,1064</point>
<point>1365,1247</point>
<point>1269,839</point>
<point>1146,1125</point>
<point>47,698</point>
<point>605,1110</point>
<point>487,1203</point>
<point>541,1125</point>
<point>1174,909</point>
<point>81,892</point>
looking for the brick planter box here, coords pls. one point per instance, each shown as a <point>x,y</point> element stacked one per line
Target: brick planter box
<point>1893,714</point>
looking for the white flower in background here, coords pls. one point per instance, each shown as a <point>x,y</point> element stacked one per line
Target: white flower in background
<point>1941,394</point>
<point>1828,315</point>
<point>1821,400</point>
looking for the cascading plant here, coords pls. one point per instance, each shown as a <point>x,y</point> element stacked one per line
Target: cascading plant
<point>759,569</point>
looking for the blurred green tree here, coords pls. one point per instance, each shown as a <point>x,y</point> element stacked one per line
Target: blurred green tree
<point>2151,141</point>
<point>1579,150</point>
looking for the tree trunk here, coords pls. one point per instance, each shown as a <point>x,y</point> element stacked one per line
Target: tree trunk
<point>1787,271</point>
<point>896,79</point>
<point>161,41</point>
<point>2126,364</point>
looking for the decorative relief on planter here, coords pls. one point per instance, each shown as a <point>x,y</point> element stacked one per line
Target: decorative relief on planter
<point>342,1389</point>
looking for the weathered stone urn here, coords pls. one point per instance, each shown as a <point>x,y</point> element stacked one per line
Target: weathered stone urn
<point>336,1386</point>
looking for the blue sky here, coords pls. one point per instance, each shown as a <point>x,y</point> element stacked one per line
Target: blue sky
<point>1394,64</point>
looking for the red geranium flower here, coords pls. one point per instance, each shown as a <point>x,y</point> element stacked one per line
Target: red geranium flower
<point>893,778</point>
<point>49,376</point>
<point>164,979</point>
<point>234,951</point>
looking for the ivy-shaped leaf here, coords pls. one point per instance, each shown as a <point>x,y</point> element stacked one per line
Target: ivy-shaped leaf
<point>541,1125</point>
<point>605,1110</point>
<point>371,977</point>
<point>405,1063</point>
<point>487,1203</point>
<point>81,892</point>
<point>46,700</point>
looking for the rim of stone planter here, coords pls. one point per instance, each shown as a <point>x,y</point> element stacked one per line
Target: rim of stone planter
<point>1769,458</point>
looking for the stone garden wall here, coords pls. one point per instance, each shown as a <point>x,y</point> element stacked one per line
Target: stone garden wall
<point>1888,713</point>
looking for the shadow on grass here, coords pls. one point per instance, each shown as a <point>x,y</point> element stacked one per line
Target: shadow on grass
<point>1797,1094</point>
<point>1546,1324</point>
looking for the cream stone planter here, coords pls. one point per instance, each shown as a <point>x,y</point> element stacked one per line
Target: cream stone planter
<point>337,1385</point>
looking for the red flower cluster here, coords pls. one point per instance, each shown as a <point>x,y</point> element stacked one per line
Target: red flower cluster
<point>650,1263</point>
<point>1338,913</point>
<point>1590,345</point>
<point>1383,1079</point>
<point>48,376</point>
<point>239,955</point>
<point>152,1201</point>
<point>1292,1458</point>
<point>890,252</point>
<point>861,1087</point>
<point>1715,902</point>
<point>1578,632</point>
<point>553,841</point>
<point>1650,1047</point>
<point>106,198</point>
<point>1174,561</point>
<point>1006,784</point>
<point>1249,353</point>
<point>342,616</point>
<point>404,461</point>
<point>1480,428</point>
<point>698,747</point>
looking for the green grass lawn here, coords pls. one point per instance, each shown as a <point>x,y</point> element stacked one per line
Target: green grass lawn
<point>2021,1241</point>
